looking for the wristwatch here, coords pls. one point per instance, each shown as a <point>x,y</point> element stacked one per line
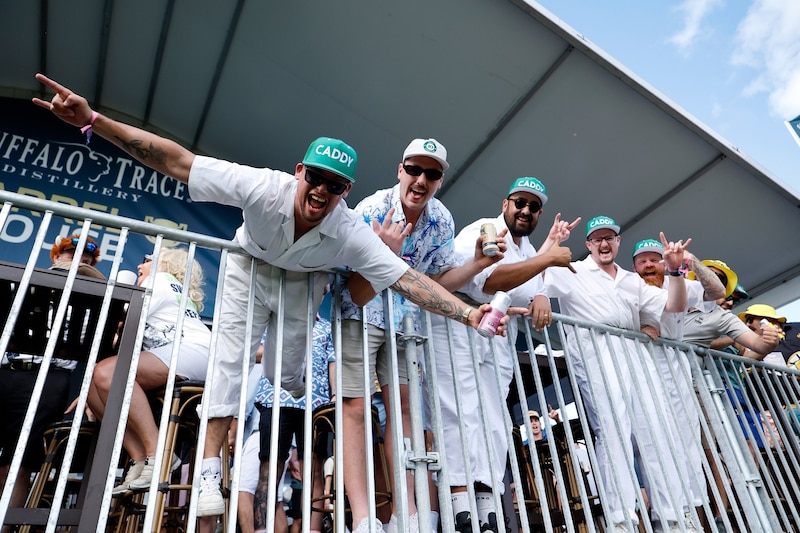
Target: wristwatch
<point>465,315</point>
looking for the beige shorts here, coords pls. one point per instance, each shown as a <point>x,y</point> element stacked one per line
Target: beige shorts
<point>351,364</point>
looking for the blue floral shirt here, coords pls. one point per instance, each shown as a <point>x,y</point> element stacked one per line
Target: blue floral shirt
<point>429,249</point>
<point>322,354</point>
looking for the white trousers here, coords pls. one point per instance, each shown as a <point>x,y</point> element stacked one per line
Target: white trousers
<point>227,380</point>
<point>620,417</point>
<point>481,458</point>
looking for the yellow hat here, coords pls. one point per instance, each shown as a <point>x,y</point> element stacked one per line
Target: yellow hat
<point>731,276</point>
<point>762,310</point>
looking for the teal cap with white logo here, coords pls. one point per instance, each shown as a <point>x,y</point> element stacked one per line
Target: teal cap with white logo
<point>334,155</point>
<point>530,185</point>
<point>601,222</point>
<point>648,245</point>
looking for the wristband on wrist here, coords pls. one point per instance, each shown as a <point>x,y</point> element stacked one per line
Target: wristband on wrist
<point>87,129</point>
<point>673,272</point>
<point>465,315</point>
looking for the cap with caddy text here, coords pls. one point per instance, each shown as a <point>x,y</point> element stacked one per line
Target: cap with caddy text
<point>601,222</point>
<point>648,245</point>
<point>334,155</point>
<point>530,185</point>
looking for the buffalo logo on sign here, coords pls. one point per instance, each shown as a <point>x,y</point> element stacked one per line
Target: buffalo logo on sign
<point>43,157</point>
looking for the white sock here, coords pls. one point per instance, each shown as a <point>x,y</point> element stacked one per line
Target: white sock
<point>434,520</point>
<point>460,502</point>
<point>485,501</point>
<point>212,466</point>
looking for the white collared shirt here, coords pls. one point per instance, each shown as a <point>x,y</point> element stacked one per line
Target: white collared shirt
<point>266,198</point>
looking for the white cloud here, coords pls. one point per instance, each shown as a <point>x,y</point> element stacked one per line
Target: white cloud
<point>694,12</point>
<point>768,41</point>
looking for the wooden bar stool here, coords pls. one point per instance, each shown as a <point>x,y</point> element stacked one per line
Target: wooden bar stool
<point>171,501</point>
<point>55,440</point>
<point>323,424</point>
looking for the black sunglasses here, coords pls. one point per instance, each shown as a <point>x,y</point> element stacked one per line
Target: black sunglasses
<point>90,246</point>
<point>432,174</point>
<point>315,179</point>
<point>520,204</point>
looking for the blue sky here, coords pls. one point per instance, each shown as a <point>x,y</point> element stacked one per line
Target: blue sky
<point>733,65</point>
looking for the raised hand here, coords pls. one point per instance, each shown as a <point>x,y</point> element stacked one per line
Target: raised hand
<point>559,230</point>
<point>66,105</point>
<point>393,234</point>
<point>674,251</point>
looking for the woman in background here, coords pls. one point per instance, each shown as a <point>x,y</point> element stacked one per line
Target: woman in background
<point>141,433</point>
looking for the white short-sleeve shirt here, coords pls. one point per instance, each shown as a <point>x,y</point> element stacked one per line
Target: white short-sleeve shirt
<point>266,198</point>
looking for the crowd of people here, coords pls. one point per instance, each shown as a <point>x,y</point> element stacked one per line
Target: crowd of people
<point>404,238</point>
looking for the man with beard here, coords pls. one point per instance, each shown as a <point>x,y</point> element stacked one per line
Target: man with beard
<point>518,274</point>
<point>673,366</point>
<point>298,222</point>
<point>603,292</point>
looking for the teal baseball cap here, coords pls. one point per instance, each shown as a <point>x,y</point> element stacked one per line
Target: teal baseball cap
<point>530,185</point>
<point>334,155</point>
<point>648,245</point>
<point>601,222</point>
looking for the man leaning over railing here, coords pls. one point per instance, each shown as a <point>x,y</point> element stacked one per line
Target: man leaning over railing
<point>295,222</point>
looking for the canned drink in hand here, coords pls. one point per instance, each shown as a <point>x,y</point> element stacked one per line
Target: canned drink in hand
<point>489,237</point>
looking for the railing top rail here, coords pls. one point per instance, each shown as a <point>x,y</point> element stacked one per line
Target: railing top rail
<point>116,221</point>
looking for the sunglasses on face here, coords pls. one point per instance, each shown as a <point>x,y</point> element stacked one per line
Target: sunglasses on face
<point>520,204</point>
<point>599,241</point>
<point>315,179</point>
<point>90,246</point>
<point>431,174</point>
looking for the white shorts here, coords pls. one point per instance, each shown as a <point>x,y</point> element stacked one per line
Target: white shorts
<point>192,359</point>
<point>248,478</point>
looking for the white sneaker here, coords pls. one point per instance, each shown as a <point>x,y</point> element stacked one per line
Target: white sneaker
<point>146,475</point>
<point>209,499</point>
<point>689,524</point>
<point>620,527</point>
<point>413,524</point>
<point>134,470</point>
<point>363,526</point>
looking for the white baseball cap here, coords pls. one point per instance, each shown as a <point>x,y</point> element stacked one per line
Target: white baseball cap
<point>427,148</point>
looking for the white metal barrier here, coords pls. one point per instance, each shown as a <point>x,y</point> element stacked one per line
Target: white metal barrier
<point>681,405</point>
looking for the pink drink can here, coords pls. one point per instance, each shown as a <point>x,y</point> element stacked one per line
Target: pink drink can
<point>491,320</point>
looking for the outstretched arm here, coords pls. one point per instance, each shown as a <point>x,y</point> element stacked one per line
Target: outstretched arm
<point>511,275</point>
<point>431,296</point>
<point>158,153</point>
<point>508,276</point>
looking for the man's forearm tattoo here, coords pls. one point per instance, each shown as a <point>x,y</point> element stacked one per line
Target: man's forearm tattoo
<point>136,148</point>
<point>708,279</point>
<point>422,292</point>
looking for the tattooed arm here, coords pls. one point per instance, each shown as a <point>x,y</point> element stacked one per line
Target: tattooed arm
<point>713,288</point>
<point>429,295</point>
<point>158,153</point>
